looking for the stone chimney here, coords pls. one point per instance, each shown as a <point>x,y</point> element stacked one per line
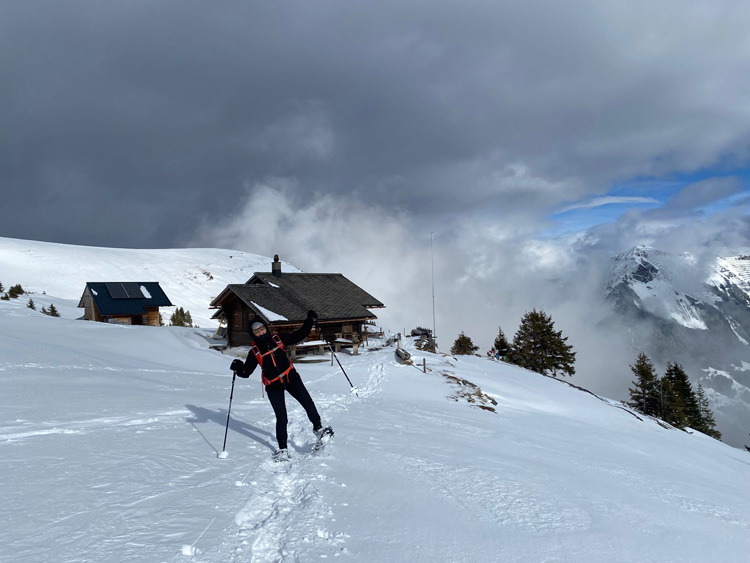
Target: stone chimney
<point>276,266</point>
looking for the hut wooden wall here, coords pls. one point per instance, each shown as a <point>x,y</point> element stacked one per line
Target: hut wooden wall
<point>151,318</point>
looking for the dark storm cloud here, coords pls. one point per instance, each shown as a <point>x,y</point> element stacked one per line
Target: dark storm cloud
<point>123,122</point>
<point>341,135</point>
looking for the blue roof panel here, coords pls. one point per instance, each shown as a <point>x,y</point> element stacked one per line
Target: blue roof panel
<point>124,304</point>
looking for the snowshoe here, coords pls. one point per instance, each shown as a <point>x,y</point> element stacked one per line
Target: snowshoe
<point>323,436</point>
<point>280,456</point>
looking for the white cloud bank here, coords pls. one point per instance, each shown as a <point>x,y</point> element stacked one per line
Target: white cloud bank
<point>487,273</point>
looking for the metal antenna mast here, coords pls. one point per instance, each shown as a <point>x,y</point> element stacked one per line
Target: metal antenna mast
<point>434,328</point>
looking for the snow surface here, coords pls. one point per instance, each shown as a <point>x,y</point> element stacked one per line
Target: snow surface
<point>660,298</point>
<point>191,277</point>
<point>270,315</point>
<point>735,269</point>
<point>658,295</point>
<point>110,435</point>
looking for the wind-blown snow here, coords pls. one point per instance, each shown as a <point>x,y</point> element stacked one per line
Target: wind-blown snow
<point>109,438</point>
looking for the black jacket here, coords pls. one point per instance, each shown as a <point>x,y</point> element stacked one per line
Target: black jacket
<point>266,343</point>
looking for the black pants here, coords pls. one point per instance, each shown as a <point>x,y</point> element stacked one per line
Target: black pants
<point>296,389</point>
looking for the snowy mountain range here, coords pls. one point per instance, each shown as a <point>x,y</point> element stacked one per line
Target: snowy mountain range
<point>675,309</point>
<point>110,435</point>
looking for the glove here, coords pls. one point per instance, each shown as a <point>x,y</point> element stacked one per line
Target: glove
<point>312,315</point>
<point>237,365</point>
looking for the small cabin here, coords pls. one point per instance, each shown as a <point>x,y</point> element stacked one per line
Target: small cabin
<point>125,303</point>
<point>282,300</point>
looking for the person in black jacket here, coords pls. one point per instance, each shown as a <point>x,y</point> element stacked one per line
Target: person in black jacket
<point>278,375</point>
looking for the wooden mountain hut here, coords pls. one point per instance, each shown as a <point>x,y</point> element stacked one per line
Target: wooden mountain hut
<point>127,303</point>
<point>282,300</point>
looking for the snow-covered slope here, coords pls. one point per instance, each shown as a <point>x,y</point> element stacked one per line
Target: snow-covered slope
<point>109,438</point>
<point>650,274</point>
<point>676,312</point>
<point>190,277</point>
<point>734,270</point>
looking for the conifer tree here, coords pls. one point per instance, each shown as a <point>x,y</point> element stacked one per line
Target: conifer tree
<point>52,311</point>
<point>44,310</point>
<point>708,422</point>
<point>177,318</point>
<point>31,304</point>
<point>181,318</point>
<point>501,344</point>
<point>538,347</point>
<point>670,408</point>
<point>644,395</point>
<point>15,291</point>
<point>1,287</point>
<point>685,399</point>
<point>463,346</point>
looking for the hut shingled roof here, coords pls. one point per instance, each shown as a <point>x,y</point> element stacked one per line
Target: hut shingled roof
<point>288,297</point>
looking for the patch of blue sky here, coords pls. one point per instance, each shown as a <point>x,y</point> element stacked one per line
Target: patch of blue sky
<point>641,193</point>
<point>577,218</point>
<point>649,187</point>
<point>741,198</point>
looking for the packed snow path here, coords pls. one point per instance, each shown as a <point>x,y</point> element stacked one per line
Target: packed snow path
<point>109,439</point>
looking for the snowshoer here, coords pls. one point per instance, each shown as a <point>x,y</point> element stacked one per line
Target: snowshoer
<point>279,375</point>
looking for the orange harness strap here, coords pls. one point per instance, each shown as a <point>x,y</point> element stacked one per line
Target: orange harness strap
<point>259,358</point>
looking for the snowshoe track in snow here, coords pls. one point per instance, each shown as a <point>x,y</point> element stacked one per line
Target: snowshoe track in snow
<point>289,522</point>
<point>287,518</point>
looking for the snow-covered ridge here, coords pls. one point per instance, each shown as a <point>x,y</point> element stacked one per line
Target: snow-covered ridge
<point>734,269</point>
<point>651,274</point>
<point>191,277</point>
<point>657,277</point>
<point>640,263</point>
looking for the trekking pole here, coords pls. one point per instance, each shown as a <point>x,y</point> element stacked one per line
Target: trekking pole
<point>342,368</point>
<point>224,454</point>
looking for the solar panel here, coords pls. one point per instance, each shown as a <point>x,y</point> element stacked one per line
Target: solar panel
<point>124,290</point>
<point>133,290</point>
<point>116,291</point>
